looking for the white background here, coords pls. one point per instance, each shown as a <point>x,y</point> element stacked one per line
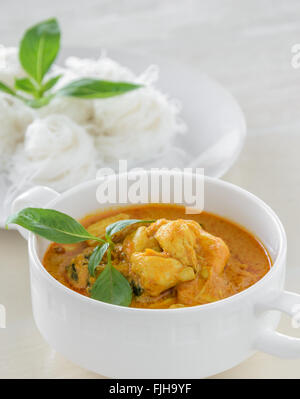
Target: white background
<point>246,45</point>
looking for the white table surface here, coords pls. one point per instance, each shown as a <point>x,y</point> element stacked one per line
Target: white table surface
<point>247,47</point>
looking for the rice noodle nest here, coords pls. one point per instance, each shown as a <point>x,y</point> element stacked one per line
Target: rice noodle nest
<point>10,67</point>
<point>137,125</point>
<point>63,143</point>
<point>14,119</point>
<point>56,152</point>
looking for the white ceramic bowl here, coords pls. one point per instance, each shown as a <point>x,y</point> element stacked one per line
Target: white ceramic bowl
<point>173,343</point>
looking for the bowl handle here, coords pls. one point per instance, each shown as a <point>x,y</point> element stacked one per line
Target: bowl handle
<point>273,342</point>
<point>38,196</point>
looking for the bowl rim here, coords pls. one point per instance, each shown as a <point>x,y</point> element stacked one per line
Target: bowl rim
<point>281,253</point>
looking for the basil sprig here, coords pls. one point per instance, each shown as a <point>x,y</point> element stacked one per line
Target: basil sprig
<point>53,225</point>
<point>92,88</point>
<point>6,89</point>
<point>96,257</point>
<point>121,224</point>
<point>110,286</point>
<point>38,50</point>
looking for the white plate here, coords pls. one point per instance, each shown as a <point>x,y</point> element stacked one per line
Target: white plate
<point>216,124</point>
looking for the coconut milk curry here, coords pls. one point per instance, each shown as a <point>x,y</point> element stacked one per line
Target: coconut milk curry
<point>179,260</point>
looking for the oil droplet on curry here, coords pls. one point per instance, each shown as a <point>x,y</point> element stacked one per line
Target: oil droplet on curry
<point>179,260</point>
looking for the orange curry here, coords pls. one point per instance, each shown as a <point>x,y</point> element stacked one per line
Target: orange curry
<point>179,260</point>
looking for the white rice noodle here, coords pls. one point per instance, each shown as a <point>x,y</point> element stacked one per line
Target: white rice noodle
<point>66,140</point>
<point>67,76</point>
<point>101,68</point>
<point>136,126</point>
<point>107,69</point>
<point>77,109</point>
<point>56,152</point>
<point>9,65</point>
<point>14,119</point>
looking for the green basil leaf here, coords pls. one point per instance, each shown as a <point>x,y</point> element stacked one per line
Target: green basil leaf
<point>51,82</point>
<point>39,48</point>
<point>121,224</point>
<point>7,89</point>
<point>53,225</point>
<point>112,287</point>
<point>94,88</point>
<point>37,102</point>
<point>96,257</point>
<point>26,85</point>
